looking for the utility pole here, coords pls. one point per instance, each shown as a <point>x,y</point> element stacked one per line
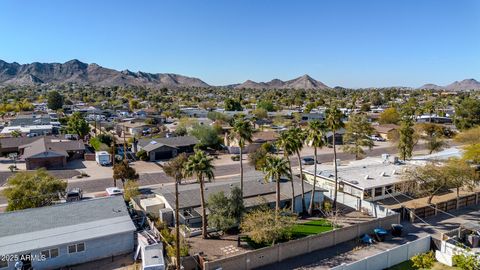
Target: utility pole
<point>113,162</point>
<point>124,144</point>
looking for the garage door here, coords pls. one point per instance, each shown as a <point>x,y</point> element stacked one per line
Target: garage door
<point>163,155</point>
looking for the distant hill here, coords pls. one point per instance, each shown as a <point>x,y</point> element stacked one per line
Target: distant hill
<point>467,84</point>
<point>303,82</point>
<point>78,72</point>
<point>75,71</point>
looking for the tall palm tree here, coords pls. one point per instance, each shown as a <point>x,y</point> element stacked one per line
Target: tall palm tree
<point>242,131</point>
<point>274,168</point>
<point>200,165</point>
<point>285,141</point>
<point>315,137</point>
<point>334,123</point>
<point>297,135</point>
<point>175,169</point>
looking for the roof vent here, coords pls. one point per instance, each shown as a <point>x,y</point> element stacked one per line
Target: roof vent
<point>367,177</point>
<point>382,174</point>
<point>394,172</point>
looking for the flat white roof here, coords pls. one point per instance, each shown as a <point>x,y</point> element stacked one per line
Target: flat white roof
<point>25,129</point>
<point>380,172</point>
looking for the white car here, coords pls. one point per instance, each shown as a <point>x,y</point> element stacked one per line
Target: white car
<point>113,191</point>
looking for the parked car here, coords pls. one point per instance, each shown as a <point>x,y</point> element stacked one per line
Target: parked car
<point>377,138</point>
<point>308,161</point>
<point>113,191</point>
<point>74,194</point>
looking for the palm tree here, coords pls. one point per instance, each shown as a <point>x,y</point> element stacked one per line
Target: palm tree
<point>242,131</point>
<point>274,168</point>
<point>285,141</point>
<point>334,123</point>
<point>201,166</point>
<point>297,135</point>
<point>315,136</point>
<point>175,169</point>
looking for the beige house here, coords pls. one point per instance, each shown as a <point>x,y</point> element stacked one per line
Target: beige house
<point>258,138</point>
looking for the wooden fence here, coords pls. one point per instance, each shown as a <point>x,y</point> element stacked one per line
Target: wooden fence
<point>433,209</point>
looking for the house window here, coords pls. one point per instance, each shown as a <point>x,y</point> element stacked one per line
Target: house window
<point>76,248</point>
<point>389,190</point>
<point>53,252</point>
<point>378,191</point>
<point>367,194</point>
<point>3,263</point>
<point>49,253</point>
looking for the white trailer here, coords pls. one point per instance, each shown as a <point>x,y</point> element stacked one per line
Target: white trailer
<point>102,158</point>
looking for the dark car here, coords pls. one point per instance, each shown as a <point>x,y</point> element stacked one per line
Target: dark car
<point>74,194</point>
<point>308,161</point>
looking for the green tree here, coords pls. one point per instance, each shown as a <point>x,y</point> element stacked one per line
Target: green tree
<point>207,136</point>
<point>124,172</point>
<point>54,100</point>
<point>142,155</point>
<point>389,116</point>
<point>202,167</point>
<point>260,113</point>
<point>257,158</point>
<point>472,153</point>
<point>406,140</point>
<point>232,105</point>
<point>225,212</point>
<point>433,135</point>
<point>467,113</point>
<point>242,132</point>
<point>131,190</point>
<point>315,137</point>
<point>460,174</point>
<point>266,105</point>
<point>275,168</point>
<point>265,226</point>
<point>175,168</point>
<point>77,125</point>
<point>298,136</point>
<point>33,189</point>
<point>357,135</point>
<point>428,180</point>
<point>334,123</point>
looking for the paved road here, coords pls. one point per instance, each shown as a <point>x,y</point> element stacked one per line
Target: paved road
<point>222,172</point>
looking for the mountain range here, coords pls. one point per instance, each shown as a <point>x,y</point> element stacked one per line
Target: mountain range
<point>467,84</point>
<point>75,71</point>
<point>78,72</point>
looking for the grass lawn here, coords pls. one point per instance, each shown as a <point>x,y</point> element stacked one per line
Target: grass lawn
<point>298,231</point>
<point>311,227</point>
<point>407,265</point>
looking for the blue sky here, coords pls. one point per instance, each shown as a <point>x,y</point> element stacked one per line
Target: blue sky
<point>339,42</point>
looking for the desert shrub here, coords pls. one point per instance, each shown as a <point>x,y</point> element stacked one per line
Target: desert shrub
<point>424,260</point>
